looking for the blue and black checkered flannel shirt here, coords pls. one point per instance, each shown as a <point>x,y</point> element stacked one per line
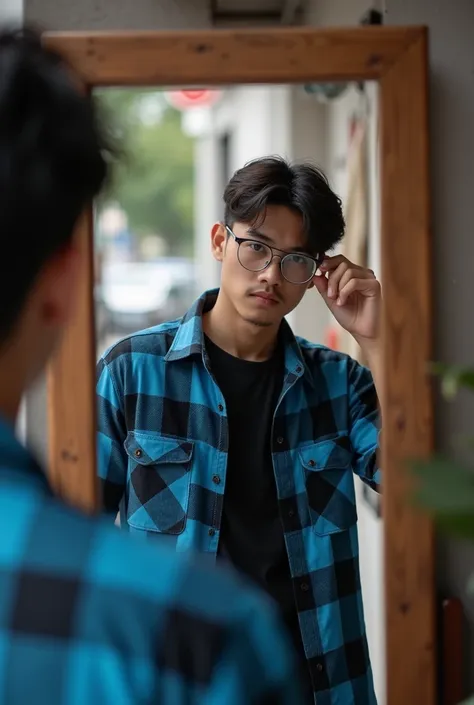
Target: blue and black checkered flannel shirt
<point>162,444</point>
<point>89,616</point>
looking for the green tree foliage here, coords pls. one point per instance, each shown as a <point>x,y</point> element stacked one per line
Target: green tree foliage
<point>153,180</point>
<point>445,486</point>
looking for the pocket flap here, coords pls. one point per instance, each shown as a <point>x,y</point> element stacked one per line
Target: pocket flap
<point>326,455</point>
<point>150,449</point>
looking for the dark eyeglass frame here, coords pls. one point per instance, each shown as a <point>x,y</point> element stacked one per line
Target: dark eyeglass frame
<point>274,250</point>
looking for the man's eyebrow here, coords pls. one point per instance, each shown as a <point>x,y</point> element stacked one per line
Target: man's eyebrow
<point>257,233</point>
<point>253,232</point>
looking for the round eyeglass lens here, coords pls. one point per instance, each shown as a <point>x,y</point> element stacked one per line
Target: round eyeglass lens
<point>254,256</point>
<point>298,269</point>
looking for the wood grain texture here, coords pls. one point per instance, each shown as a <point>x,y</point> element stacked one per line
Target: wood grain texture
<point>71,393</point>
<point>224,56</point>
<point>398,58</point>
<point>407,413</point>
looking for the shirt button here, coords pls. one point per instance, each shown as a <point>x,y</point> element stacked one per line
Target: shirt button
<point>304,586</point>
<point>311,463</point>
<point>298,369</point>
<point>138,453</point>
<point>220,407</point>
<point>216,479</point>
<point>211,532</point>
<point>280,440</point>
<point>320,667</point>
<point>291,514</point>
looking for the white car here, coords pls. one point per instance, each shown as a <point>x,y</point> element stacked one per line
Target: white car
<point>136,295</point>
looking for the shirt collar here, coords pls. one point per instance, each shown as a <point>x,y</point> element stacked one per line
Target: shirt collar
<point>16,461</point>
<point>189,339</point>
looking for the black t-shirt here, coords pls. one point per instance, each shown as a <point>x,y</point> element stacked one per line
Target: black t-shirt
<point>252,536</point>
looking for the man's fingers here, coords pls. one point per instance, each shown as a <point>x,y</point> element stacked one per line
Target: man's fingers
<point>351,273</point>
<point>334,279</point>
<point>367,286</point>
<point>321,284</point>
<point>330,263</point>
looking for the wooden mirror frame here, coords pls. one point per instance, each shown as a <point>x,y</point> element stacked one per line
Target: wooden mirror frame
<point>397,59</point>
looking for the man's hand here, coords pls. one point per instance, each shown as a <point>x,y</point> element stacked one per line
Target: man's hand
<point>353,295</point>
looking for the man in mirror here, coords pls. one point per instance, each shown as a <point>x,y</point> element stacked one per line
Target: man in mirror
<point>226,435</point>
<point>87,615</point>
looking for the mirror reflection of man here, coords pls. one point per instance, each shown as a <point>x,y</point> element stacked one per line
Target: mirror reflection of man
<point>224,434</point>
<point>86,614</point>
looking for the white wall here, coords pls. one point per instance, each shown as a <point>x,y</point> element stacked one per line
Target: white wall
<point>260,123</point>
<point>337,13</point>
<point>11,12</point>
<point>309,143</point>
<point>208,179</point>
<point>118,14</point>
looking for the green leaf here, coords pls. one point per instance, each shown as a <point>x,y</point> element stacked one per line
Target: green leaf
<point>446,489</point>
<point>444,484</point>
<point>460,526</point>
<point>453,378</point>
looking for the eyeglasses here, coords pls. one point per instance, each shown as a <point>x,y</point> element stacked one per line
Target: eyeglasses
<point>255,256</point>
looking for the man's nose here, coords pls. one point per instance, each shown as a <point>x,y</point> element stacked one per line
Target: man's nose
<point>272,273</point>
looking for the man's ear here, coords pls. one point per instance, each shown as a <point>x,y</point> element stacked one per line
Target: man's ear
<point>218,241</point>
<point>57,285</point>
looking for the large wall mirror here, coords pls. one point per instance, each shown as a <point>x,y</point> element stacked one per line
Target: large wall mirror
<point>354,102</point>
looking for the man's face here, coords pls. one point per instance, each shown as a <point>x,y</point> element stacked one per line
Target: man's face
<point>265,297</point>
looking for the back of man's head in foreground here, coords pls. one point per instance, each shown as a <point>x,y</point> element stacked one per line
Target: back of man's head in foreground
<point>52,163</point>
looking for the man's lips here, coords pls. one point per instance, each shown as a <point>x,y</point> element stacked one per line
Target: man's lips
<point>265,297</point>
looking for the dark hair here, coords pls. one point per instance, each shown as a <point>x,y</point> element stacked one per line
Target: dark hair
<point>52,163</point>
<point>301,187</point>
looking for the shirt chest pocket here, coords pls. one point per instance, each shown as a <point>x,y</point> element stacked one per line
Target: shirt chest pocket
<point>329,482</point>
<point>159,475</point>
